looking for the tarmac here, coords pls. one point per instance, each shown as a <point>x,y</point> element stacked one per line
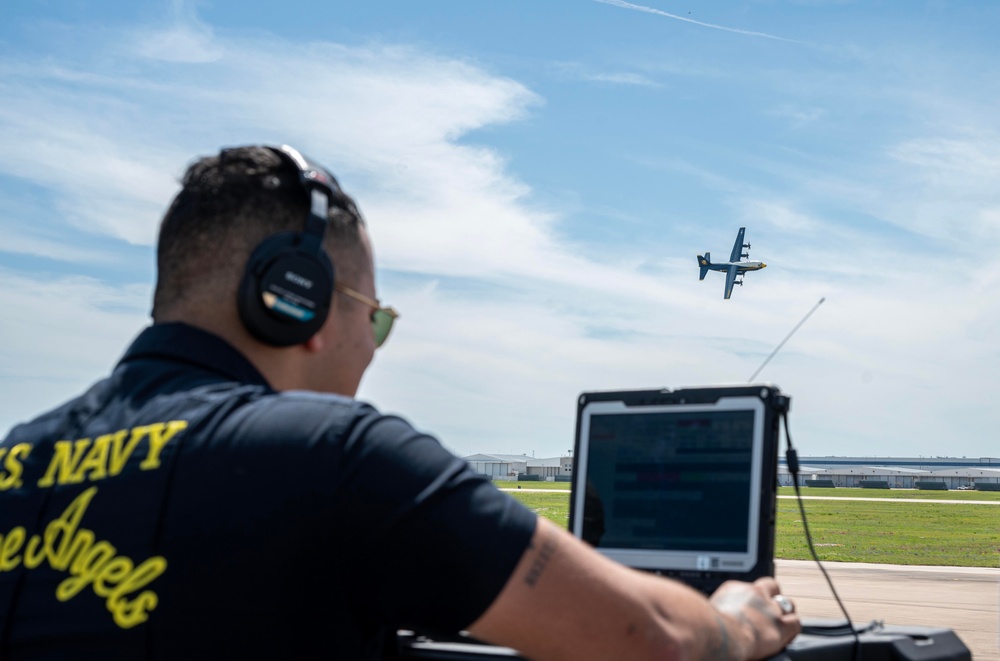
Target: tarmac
<point>934,501</point>
<point>963,599</point>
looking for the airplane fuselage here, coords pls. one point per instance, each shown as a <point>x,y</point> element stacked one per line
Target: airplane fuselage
<point>755,265</point>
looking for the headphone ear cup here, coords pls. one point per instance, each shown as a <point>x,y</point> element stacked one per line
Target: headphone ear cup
<point>284,296</point>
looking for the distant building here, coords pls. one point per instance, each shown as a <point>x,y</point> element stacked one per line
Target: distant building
<point>499,466</point>
<point>959,477</point>
<point>509,466</point>
<point>898,472</point>
<point>552,467</point>
<point>920,463</point>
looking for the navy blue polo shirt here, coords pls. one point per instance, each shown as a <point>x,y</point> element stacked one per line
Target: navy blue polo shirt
<point>181,508</point>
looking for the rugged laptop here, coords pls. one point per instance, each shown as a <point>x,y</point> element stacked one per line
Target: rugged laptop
<point>679,482</point>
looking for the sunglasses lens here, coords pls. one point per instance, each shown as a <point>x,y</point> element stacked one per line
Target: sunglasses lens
<point>381,324</point>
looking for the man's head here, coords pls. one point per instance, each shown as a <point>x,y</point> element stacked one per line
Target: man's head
<point>228,205</point>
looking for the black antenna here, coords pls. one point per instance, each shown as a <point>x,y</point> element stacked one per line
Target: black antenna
<point>778,348</point>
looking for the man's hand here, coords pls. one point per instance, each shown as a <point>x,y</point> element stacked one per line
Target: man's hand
<point>755,607</point>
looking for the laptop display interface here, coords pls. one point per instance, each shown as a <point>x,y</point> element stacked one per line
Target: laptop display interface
<point>675,487</point>
<point>672,480</point>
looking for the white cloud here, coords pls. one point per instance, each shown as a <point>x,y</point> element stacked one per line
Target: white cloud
<point>61,334</point>
<point>968,165</point>
<point>186,40</point>
<point>624,78</point>
<point>26,244</point>
<point>800,116</point>
<point>88,149</point>
<point>523,318</point>
<point>384,117</point>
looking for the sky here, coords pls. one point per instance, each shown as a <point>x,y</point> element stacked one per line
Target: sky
<point>538,179</point>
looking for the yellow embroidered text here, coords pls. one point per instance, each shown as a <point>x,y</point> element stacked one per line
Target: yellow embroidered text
<point>65,546</point>
<point>11,467</point>
<point>75,461</point>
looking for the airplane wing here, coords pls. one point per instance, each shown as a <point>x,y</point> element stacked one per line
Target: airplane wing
<point>731,274</point>
<point>737,249</point>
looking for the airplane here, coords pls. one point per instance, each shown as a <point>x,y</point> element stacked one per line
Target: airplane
<point>734,268</point>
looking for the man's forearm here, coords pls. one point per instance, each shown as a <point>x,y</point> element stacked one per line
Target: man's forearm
<point>566,601</point>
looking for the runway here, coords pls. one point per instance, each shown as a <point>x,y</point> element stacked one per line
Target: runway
<point>900,500</point>
<point>964,599</point>
<point>881,500</point>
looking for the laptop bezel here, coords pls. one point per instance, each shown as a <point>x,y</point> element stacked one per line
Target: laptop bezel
<point>758,558</point>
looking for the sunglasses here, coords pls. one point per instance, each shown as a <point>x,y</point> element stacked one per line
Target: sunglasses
<point>382,317</point>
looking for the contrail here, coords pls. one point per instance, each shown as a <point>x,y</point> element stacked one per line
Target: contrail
<point>650,10</point>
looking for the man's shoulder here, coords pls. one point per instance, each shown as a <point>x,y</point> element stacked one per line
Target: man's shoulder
<point>54,420</point>
<point>302,413</point>
<point>306,405</point>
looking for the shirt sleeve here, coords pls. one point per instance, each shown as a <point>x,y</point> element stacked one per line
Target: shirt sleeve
<point>431,542</point>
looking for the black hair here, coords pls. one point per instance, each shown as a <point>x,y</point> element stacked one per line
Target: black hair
<point>227,205</point>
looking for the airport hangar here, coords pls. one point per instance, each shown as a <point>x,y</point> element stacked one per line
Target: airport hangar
<point>516,466</point>
<point>894,472</point>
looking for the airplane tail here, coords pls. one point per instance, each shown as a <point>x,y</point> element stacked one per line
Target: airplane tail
<point>703,262</point>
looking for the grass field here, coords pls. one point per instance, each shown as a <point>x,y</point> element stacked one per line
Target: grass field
<point>554,486</point>
<point>961,535</point>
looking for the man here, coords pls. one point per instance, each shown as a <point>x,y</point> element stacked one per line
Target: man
<point>222,494</point>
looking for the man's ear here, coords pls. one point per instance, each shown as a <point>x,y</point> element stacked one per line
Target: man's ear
<point>318,341</point>
<point>314,344</point>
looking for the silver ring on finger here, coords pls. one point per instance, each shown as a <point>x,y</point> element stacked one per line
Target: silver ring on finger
<point>784,603</point>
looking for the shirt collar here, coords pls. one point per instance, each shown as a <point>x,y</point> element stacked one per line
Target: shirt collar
<point>185,343</point>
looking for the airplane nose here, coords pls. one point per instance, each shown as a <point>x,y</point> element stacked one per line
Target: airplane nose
<point>763,266</point>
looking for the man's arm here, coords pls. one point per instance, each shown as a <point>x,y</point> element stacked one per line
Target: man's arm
<point>567,601</point>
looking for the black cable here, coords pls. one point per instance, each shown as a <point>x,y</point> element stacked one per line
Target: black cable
<point>792,459</point>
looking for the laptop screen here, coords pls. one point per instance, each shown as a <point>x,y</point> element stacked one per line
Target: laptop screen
<point>677,486</point>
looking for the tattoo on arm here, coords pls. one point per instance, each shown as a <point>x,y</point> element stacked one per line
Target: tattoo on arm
<point>545,554</point>
<point>720,650</point>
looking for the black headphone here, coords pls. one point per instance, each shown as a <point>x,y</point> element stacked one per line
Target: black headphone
<point>284,296</point>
